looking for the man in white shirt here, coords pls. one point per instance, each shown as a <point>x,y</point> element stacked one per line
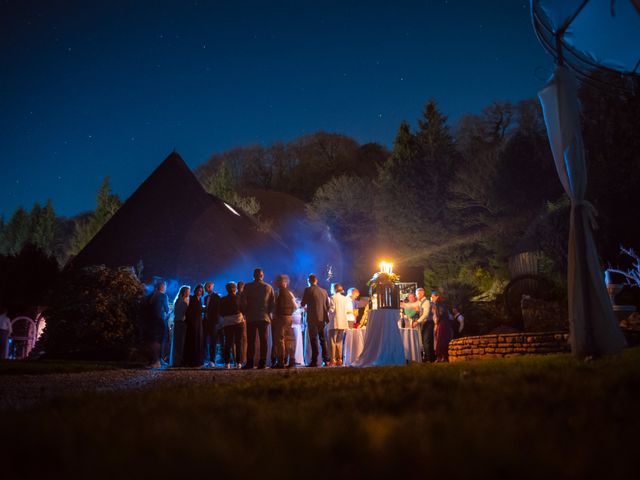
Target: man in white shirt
<point>338,323</point>
<point>426,326</point>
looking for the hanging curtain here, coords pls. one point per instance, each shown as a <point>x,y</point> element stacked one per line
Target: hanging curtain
<point>594,327</point>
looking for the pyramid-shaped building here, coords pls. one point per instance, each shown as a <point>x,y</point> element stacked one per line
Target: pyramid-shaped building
<point>177,231</point>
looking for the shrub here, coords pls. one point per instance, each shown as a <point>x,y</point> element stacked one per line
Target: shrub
<point>459,293</point>
<point>94,314</point>
<point>485,317</point>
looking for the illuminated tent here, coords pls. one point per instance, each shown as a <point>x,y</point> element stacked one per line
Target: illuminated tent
<point>586,37</point>
<point>175,230</point>
<point>310,240</point>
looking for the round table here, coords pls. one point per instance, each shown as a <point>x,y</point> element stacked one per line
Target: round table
<point>353,344</point>
<point>412,344</point>
<point>383,342</point>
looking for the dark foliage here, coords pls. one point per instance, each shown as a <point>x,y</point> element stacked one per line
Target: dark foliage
<point>612,142</point>
<point>107,204</point>
<point>37,227</point>
<point>298,167</point>
<point>94,314</point>
<point>453,200</point>
<point>26,278</point>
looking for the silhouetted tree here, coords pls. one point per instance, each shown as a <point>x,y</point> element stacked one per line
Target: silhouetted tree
<point>43,227</point>
<point>298,167</point>
<point>414,185</point>
<point>220,184</point>
<point>346,205</point>
<point>16,232</point>
<point>107,203</point>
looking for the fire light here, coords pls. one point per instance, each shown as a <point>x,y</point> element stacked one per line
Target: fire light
<point>386,267</point>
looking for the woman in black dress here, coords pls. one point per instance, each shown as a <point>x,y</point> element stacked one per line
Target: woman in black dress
<point>193,351</point>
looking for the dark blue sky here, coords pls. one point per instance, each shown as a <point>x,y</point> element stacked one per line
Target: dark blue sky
<point>108,88</point>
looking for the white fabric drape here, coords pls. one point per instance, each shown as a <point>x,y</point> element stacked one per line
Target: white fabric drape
<point>594,327</point>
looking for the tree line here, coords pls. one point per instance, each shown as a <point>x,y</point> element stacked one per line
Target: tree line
<point>453,199</point>
<point>55,236</point>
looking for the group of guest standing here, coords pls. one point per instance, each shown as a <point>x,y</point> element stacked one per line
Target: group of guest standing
<point>203,319</point>
<point>437,325</point>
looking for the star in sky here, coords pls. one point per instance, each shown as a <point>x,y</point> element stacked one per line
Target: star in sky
<point>214,76</point>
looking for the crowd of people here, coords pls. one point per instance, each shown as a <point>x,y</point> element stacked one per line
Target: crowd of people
<point>201,325</point>
<point>437,325</point>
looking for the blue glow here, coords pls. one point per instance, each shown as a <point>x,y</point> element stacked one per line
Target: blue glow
<point>310,249</point>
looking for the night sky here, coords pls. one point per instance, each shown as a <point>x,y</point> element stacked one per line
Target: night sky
<point>108,88</point>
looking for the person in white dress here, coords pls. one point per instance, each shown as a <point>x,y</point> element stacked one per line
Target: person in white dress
<point>338,323</point>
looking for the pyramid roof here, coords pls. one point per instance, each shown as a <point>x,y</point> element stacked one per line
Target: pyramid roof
<point>180,232</point>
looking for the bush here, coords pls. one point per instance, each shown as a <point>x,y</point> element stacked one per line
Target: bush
<point>484,317</point>
<point>459,293</point>
<point>94,314</point>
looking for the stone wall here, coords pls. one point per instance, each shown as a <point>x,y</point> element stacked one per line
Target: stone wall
<point>507,345</point>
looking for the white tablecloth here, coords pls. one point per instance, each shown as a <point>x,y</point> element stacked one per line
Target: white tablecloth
<point>353,344</point>
<point>412,344</point>
<point>383,342</point>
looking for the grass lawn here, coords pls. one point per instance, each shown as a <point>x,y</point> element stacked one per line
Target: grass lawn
<point>529,417</point>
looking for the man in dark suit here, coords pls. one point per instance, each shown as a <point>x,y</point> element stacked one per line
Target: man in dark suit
<point>257,303</point>
<point>316,299</point>
<point>211,318</point>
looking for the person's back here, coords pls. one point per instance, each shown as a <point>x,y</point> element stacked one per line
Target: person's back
<point>258,301</point>
<point>159,303</point>
<point>229,305</point>
<point>316,299</point>
<point>283,346</point>
<point>233,326</point>
<point>285,302</point>
<point>338,313</point>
